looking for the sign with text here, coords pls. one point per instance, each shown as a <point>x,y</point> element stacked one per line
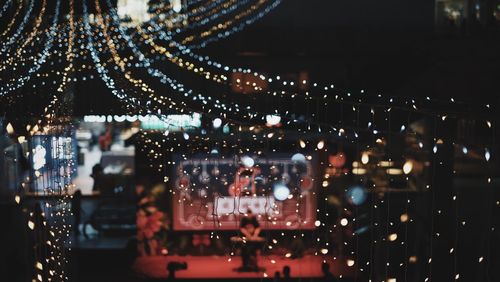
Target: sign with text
<point>215,192</point>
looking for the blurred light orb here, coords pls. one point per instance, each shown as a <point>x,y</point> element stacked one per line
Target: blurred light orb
<point>357,195</point>
<point>273,120</point>
<point>317,223</point>
<point>344,221</point>
<point>393,237</point>
<point>281,192</point>
<point>408,167</point>
<point>298,158</point>
<point>365,158</point>
<point>247,161</point>
<point>320,145</point>
<point>403,217</point>
<point>302,144</point>
<point>176,5</point>
<point>216,123</point>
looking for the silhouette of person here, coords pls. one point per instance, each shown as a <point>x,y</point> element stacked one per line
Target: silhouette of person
<point>277,277</point>
<point>286,274</point>
<point>76,209</point>
<point>250,230</point>
<point>327,275</point>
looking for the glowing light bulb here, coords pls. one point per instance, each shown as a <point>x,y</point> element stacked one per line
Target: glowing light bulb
<point>320,145</point>
<point>403,217</point>
<point>365,158</point>
<point>324,251</point>
<point>302,144</point>
<point>272,120</point>
<point>344,221</point>
<point>408,167</point>
<point>10,128</point>
<point>317,223</point>
<point>216,123</point>
<point>487,154</point>
<point>393,237</point>
<point>350,262</point>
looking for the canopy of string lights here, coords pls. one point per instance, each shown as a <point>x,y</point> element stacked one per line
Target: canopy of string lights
<point>367,181</point>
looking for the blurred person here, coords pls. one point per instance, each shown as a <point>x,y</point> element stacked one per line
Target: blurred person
<point>251,241</point>
<point>249,226</point>
<point>327,275</point>
<point>286,274</point>
<point>76,208</point>
<point>277,277</point>
<point>102,183</point>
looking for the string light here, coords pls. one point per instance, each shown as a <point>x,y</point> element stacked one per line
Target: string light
<point>109,30</point>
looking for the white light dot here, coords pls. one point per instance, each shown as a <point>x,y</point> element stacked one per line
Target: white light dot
<point>320,145</point>
<point>344,221</point>
<point>216,123</point>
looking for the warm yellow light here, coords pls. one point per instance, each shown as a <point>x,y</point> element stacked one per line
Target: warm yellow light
<point>408,167</point>
<point>321,145</point>
<point>302,144</point>
<point>386,163</point>
<point>393,237</point>
<point>324,251</point>
<point>404,217</point>
<point>365,158</point>
<point>9,128</point>
<point>394,171</point>
<point>350,262</point>
<point>358,171</point>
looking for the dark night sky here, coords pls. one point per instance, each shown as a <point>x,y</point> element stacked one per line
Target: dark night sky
<point>388,46</point>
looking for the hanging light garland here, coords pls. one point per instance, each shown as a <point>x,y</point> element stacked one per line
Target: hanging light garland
<point>106,37</point>
<point>39,61</point>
